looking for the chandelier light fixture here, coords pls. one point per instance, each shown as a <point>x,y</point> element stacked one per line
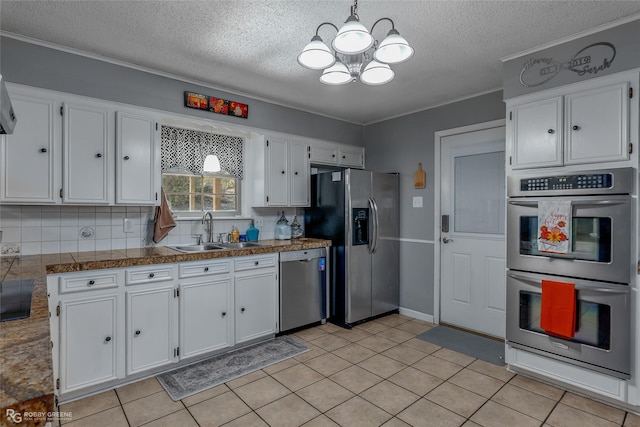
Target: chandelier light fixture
<point>346,63</point>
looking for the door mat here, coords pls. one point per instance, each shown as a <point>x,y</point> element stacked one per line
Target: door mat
<point>194,378</point>
<point>473,345</point>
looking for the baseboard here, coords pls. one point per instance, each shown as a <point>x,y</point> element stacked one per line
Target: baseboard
<point>417,315</point>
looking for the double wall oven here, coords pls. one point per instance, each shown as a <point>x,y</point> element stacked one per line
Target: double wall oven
<point>596,262</point>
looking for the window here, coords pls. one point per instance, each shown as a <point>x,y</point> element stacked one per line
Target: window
<point>187,187</point>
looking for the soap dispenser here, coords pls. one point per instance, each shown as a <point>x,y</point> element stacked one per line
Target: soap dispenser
<point>252,233</point>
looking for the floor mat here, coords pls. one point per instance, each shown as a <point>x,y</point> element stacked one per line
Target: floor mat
<point>194,378</point>
<point>473,345</point>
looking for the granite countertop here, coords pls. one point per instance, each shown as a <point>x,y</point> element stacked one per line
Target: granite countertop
<point>26,373</point>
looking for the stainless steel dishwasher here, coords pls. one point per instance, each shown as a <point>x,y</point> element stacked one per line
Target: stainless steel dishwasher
<point>303,288</point>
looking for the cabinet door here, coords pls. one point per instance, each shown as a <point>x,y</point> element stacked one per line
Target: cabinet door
<point>597,125</point>
<point>86,143</point>
<point>323,154</point>
<point>351,156</point>
<point>137,166</point>
<point>300,175</point>
<point>537,134</point>
<point>28,161</point>
<point>277,172</point>
<point>150,328</point>
<point>206,316</point>
<point>255,303</point>
<point>89,342</point>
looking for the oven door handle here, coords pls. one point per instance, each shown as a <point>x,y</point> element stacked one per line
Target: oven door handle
<point>534,203</point>
<point>599,288</point>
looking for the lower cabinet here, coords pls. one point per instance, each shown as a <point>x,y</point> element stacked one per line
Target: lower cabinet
<point>90,341</point>
<point>111,324</point>
<point>206,316</point>
<point>150,322</point>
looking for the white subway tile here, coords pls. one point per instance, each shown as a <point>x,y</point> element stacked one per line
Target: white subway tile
<point>51,247</point>
<point>31,248</point>
<point>11,217</point>
<point>51,234</point>
<point>118,209</point>
<point>69,233</point>
<point>86,245</point>
<point>118,243</point>
<point>68,219</point>
<point>51,219</point>
<point>103,244</point>
<point>134,242</point>
<point>103,209</point>
<point>68,246</point>
<point>10,234</point>
<point>86,209</point>
<point>117,232</point>
<point>103,232</point>
<point>103,218</point>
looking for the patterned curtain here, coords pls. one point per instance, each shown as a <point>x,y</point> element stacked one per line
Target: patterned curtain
<point>187,149</point>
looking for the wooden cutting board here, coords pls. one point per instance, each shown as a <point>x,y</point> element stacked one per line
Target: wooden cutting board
<point>420,177</point>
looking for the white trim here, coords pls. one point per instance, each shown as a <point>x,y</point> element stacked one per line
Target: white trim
<point>416,315</point>
<point>572,37</point>
<point>462,98</point>
<point>436,200</point>
<point>97,57</point>
<point>427,242</point>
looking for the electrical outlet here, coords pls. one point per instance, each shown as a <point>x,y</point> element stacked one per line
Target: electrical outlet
<point>259,222</point>
<point>128,225</point>
<point>417,202</point>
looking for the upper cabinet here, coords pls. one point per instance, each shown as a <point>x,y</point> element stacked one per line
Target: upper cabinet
<point>30,157</point>
<point>326,153</point>
<point>64,148</point>
<point>278,172</point>
<point>589,123</point>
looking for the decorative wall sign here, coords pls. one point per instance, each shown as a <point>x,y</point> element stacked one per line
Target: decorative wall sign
<point>215,105</point>
<point>589,60</point>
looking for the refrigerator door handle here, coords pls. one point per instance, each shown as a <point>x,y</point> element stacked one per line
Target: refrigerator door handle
<point>376,225</point>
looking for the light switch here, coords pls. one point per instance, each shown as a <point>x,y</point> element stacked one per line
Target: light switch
<point>417,202</point>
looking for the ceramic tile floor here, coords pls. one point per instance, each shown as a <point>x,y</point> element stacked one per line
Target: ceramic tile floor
<point>377,374</point>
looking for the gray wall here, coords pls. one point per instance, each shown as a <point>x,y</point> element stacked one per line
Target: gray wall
<point>43,67</point>
<point>398,145</point>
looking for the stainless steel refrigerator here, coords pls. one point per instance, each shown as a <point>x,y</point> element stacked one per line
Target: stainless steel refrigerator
<point>358,211</point>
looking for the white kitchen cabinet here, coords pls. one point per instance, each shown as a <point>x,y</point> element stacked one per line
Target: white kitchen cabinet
<point>587,123</point>
<point>256,290</point>
<point>206,315</point>
<point>87,152</point>
<point>597,125</point>
<point>151,315</point>
<point>278,172</point>
<point>137,159</point>
<point>91,345</point>
<point>30,160</point>
<point>327,153</point>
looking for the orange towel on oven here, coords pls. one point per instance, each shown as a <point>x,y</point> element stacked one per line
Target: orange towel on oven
<point>558,308</point>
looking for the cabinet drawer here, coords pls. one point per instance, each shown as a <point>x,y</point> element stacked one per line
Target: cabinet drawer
<point>149,275</point>
<point>203,269</point>
<point>253,263</point>
<point>88,281</point>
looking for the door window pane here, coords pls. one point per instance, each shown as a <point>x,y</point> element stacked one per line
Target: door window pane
<point>479,195</point>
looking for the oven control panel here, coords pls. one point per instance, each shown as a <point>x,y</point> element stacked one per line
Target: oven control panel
<point>567,182</point>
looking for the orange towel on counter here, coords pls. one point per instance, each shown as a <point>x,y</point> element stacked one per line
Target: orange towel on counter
<point>163,221</point>
<point>558,308</point>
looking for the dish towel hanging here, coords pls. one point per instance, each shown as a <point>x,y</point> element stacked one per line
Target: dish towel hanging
<point>558,308</point>
<point>163,221</point>
<point>554,226</point>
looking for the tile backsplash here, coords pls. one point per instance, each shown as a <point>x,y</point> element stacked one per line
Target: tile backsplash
<point>31,230</point>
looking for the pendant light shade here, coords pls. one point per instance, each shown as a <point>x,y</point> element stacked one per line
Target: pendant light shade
<point>376,73</point>
<point>353,38</point>
<point>316,55</point>
<point>394,49</point>
<point>338,74</point>
<point>211,164</point>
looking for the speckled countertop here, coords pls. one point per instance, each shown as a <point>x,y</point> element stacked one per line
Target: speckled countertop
<point>26,374</point>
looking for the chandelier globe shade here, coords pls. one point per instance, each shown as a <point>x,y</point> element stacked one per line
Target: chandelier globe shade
<point>338,74</point>
<point>352,38</point>
<point>316,55</point>
<point>376,73</point>
<point>394,49</point>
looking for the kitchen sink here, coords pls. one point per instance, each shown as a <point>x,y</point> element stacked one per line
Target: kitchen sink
<point>240,245</point>
<point>197,248</point>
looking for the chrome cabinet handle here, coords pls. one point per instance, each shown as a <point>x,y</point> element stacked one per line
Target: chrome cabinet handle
<point>446,240</point>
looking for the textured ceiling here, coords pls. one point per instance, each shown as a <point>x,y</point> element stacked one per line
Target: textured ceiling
<point>250,47</point>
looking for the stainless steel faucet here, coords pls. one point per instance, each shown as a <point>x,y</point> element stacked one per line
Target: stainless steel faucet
<point>209,218</point>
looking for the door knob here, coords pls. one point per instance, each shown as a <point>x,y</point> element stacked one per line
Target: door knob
<point>446,240</point>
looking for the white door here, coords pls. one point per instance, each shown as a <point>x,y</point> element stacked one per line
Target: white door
<point>299,170</point>
<point>472,243</point>
<point>255,302</point>
<point>277,172</point>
